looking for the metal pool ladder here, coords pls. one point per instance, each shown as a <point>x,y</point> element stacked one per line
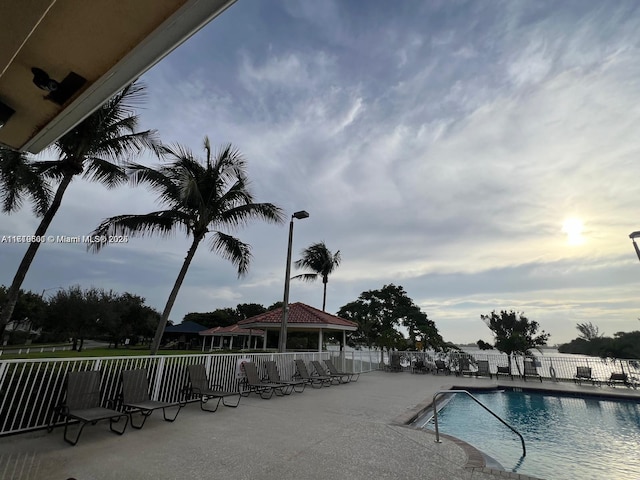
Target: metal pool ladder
<point>435,415</point>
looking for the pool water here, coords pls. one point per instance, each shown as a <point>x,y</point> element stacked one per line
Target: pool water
<point>566,437</point>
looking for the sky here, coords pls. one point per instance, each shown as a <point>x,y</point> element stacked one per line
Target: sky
<point>482,155</point>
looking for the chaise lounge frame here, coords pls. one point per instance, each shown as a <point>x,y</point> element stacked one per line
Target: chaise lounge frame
<point>136,399</point>
<point>353,377</point>
<point>273,376</point>
<point>83,404</point>
<point>265,389</point>
<point>315,381</point>
<point>200,386</point>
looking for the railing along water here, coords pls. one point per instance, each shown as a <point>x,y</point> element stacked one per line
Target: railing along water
<point>557,367</point>
<point>435,416</point>
<point>29,389</point>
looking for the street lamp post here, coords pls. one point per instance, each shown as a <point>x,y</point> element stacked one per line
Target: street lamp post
<point>282,344</point>
<point>633,237</point>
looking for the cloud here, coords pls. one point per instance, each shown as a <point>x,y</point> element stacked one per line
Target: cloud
<point>439,146</point>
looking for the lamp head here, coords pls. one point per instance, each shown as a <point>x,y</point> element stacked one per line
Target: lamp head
<point>304,214</point>
<point>42,80</point>
<point>634,235</point>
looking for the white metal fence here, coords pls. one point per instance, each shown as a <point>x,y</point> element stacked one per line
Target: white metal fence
<point>559,368</point>
<point>30,389</point>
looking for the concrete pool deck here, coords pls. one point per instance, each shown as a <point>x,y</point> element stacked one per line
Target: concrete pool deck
<point>351,431</point>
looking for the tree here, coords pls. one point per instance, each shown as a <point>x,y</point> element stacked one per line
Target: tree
<point>318,257</point>
<point>74,313</point>
<point>248,310</point>
<point>588,331</point>
<point>221,317</point>
<point>201,196</point>
<point>379,314</point>
<point>514,333</point>
<point>29,313</point>
<point>482,345</point>
<point>621,345</point>
<point>94,149</point>
<point>275,305</point>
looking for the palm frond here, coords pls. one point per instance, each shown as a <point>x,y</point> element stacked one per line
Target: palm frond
<point>240,216</point>
<point>232,249</point>
<point>109,132</point>
<point>163,223</point>
<point>318,258</point>
<point>156,179</point>
<point>19,178</point>
<point>102,171</point>
<point>307,277</point>
<point>51,169</point>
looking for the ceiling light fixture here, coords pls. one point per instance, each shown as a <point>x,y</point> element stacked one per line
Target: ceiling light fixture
<point>42,80</point>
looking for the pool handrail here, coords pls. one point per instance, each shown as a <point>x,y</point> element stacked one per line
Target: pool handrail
<point>435,415</point>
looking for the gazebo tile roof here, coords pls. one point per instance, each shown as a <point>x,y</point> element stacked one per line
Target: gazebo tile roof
<point>299,313</point>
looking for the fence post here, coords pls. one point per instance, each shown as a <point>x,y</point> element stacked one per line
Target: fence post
<point>157,382</point>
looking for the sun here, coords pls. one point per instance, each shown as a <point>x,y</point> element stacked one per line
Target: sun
<point>573,227</point>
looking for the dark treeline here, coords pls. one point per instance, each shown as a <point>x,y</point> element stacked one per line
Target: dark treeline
<point>621,345</point>
<point>75,314</point>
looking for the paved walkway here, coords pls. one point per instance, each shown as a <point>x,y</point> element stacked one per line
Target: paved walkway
<point>351,431</point>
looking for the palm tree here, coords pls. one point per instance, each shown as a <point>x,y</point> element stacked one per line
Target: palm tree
<point>201,197</point>
<point>94,148</point>
<point>318,258</point>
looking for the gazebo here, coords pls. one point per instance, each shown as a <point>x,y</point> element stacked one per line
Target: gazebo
<point>301,318</point>
<point>185,334</point>
<point>231,332</point>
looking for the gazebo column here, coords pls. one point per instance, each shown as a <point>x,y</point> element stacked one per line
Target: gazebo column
<point>221,342</point>
<point>320,340</point>
<point>264,340</point>
<point>231,342</point>
<point>211,344</point>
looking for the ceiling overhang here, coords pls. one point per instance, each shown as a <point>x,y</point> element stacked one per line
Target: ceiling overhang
<point>96,47</point>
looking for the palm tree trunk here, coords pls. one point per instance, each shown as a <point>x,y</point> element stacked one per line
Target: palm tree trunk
<point>174,293</point>
<point>23,268</point>
<point>324,295</point>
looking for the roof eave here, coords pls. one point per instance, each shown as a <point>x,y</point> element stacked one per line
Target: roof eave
<point>169,35</point>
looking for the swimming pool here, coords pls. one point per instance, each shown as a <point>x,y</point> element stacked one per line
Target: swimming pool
<point>567,437</point>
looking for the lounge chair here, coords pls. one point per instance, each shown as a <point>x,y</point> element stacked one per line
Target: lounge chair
<point>441,367</point>
<point>418,367</point>
<point>135,398</point>
<point>274,377</point>
<point>394,363</point>
<point>619,379</point>
<point>584,374</point>
<point>530,370</point>
<point>252,383</point>
<point>315,381</point>
<point>201,387</point>
<point>504,370</point>
<point>83,404</point>
<point>464,367</point>
<point>483,369</point>
<point>336,378</point>
<point>353,377</point>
